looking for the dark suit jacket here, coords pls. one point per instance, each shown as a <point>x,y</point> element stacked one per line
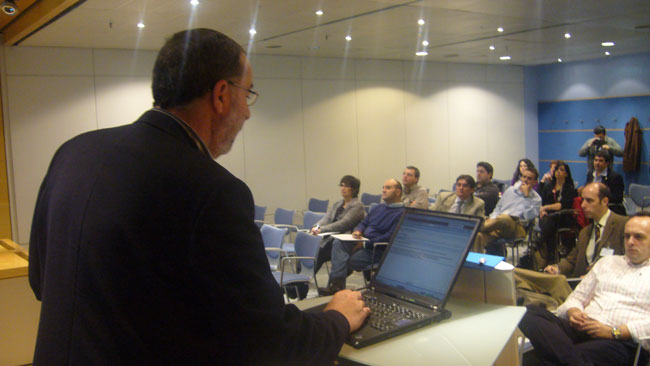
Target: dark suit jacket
<point>615,183</point>
<point>143,251</point>
<point>575,264</point>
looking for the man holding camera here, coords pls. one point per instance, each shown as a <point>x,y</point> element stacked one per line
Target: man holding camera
<point>600,142</point>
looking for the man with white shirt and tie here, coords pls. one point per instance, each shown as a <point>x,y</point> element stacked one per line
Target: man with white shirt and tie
<point>606,316</point>
<point>461,201</point>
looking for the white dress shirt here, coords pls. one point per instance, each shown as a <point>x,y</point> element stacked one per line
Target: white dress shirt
<point>615,292</point>
<point>592,240</point>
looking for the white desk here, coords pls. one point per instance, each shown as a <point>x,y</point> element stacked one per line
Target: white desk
<point>474,335</point>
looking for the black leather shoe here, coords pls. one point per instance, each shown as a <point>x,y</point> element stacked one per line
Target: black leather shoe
<point>334,286</point>
<point>327,291</point>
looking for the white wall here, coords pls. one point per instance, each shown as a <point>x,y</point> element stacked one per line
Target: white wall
<point>315,120</point>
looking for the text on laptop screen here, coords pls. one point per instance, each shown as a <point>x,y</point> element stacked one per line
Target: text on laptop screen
<point>425,253</point>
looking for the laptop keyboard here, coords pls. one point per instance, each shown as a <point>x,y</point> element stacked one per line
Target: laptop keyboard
<point>386,316</point>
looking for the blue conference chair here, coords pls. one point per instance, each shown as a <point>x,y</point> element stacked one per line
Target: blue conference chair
<point>502,184</point>
<point>306,250</point>
<point>316,205</point>
<point>367,199</point>
<point>260,211</point>
<point>284,218</point>
<point>310,219</point>
<point>273,238</point>
<point>640,195</point>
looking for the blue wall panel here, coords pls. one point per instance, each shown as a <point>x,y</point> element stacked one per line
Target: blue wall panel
<point>565,125</point>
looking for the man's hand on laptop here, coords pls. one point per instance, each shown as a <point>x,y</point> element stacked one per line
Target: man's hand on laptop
<point>350,304</point>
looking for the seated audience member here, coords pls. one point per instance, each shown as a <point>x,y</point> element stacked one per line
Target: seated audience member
<point>413,195</point>
<point>377,227</point>
<point>485,188</point>
<point>548,176</point>
<point>342,217</point>
<point>522,165</point>
<point>600,142</point>
<point>605,317</point>
<point>604,173</point>
<point>463,201</point>
<point>519,202</point>
<point>557,195</point>
<point>603,237</point>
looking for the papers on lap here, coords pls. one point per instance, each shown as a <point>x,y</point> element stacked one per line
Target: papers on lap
<point>348,237</point>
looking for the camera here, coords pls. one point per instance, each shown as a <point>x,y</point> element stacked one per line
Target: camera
<point>597,144</point>
<point>9,7</point>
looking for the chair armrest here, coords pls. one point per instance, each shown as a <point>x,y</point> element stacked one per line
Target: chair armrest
<point>286,226</point>
<point>290,259</point>
<point>282,251</point>
<point>566,211</point>
<point>643,200</point>
<point>293,258</point>
<point>574,282</point>
<point>380,244</point>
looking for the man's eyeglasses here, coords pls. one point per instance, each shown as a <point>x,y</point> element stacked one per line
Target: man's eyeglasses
<point>250,97</point>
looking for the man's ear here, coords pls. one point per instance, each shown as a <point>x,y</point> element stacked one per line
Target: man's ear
<point>221,97</point>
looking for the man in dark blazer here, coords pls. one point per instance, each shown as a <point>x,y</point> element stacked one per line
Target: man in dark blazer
<point>603,173</point>
<point>143,249</point>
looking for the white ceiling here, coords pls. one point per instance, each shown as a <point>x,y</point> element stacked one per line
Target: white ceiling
<point>457,30</point>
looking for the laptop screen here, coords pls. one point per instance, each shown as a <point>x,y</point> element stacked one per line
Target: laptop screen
<point>426,252</point>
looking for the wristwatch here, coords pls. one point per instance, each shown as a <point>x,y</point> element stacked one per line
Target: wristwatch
<point>616,333</point>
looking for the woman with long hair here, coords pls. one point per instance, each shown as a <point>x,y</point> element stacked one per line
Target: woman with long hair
<point>556,195</point>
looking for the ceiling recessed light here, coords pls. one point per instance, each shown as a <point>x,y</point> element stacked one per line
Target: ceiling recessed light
<point>492,48</point>
<point>425,43</point>
<point>504,58</point>
<point>607,44</point>
<point>319,12</point>
<point>348,38</point>
<point>567,35</point>
<point>606,53</point>
<point>194,2</point>
<point>140,25</point>
<point>252,31</point>
<point>500,30</point>
<point>421,22</point>
<point>421,53</point>
<point>559,60</point>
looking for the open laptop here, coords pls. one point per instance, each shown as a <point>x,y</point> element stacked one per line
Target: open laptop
<point>416,274</point>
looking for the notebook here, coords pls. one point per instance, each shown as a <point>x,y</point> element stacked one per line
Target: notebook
<point>416,274</point>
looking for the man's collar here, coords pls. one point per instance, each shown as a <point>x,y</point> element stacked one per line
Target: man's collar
<point>408,190</point>
<point>393,205</point>
<point>642,264</point>
<point>188,129</point>
<point>603,174</point>
<point>604,218</point>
